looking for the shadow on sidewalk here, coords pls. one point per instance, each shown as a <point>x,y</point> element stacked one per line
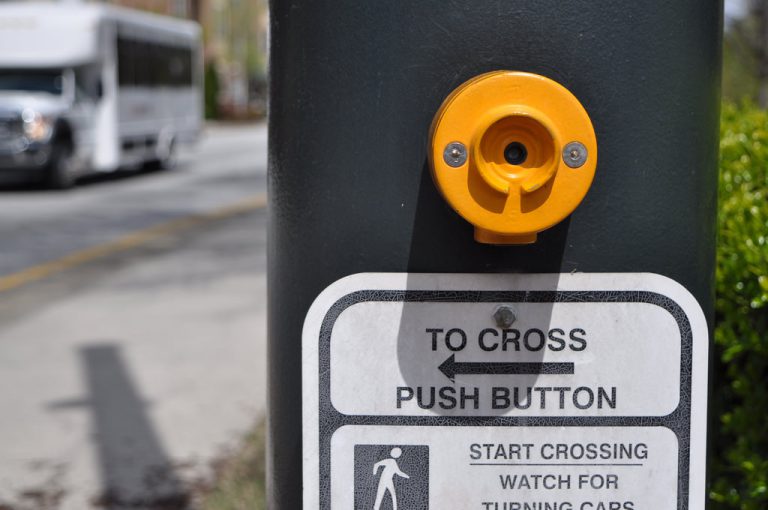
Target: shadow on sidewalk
<point>136,472</point>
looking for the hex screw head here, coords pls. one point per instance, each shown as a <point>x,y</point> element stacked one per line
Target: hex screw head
<point>575,154</point>
<point>504,316</point>
<point>455,154</point>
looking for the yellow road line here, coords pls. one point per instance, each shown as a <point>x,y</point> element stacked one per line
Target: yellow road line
<point>127,242</point>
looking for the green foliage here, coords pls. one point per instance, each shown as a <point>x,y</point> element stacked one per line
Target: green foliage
<point>739,68</point>
<point>740,441</point>
<point>240,479</point>
<point>211,91</point>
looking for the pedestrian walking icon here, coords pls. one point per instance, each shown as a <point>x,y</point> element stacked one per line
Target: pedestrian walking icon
<point>391,477</point>
<point>389,470</point>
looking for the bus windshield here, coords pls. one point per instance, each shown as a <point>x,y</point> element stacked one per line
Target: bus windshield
<point>49,81</point>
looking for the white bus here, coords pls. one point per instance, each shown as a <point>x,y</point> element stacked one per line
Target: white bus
<point>92,88</point>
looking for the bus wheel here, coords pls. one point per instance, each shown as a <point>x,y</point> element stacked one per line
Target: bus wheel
<point>165,160</point>
<point>60,173</point>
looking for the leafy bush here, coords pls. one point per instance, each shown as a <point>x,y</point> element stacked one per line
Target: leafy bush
<point>240,483</point>
<point>739,470</point>
<point>211,91</point>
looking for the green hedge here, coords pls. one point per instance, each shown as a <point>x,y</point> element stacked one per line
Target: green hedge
<point>211,91</point>
<point>739,452</point>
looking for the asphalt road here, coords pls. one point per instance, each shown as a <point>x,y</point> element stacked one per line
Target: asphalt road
<point>132,329</point>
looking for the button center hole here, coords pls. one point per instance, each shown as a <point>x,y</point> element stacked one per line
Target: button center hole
<point>515,153</point>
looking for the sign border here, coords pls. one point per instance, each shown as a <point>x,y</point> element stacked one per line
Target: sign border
<point>329,420</point>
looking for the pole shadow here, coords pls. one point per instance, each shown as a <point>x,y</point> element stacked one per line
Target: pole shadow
<point>136,471</point>
<point>443,242</point>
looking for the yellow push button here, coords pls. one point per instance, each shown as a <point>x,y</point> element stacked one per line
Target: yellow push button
<point>513,153</point>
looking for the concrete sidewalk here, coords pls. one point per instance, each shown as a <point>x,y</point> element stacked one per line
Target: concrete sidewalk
<point>122,393</point>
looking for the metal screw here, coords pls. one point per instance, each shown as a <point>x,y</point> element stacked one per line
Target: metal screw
<point>575,154</point>
<point>504,316</point>
<point>455,154</point>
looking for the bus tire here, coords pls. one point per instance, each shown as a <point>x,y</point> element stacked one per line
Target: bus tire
<point>60,173</point>
<point>164,161</point>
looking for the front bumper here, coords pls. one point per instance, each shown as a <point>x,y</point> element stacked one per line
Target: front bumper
<point>23,163</point>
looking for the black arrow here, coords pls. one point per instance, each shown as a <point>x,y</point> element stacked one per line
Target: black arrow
<point>450,368</point>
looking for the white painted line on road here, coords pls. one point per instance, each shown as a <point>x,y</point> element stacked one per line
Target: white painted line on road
<point>128,241</point>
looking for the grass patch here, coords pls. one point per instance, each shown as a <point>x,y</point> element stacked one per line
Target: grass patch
<point>240,480</point>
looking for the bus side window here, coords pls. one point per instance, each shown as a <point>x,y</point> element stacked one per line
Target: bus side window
<point>125,75</point>
<point>153,65</point>
<point>85,85</point>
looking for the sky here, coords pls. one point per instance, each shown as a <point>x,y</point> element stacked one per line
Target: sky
<point>735,8</point>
